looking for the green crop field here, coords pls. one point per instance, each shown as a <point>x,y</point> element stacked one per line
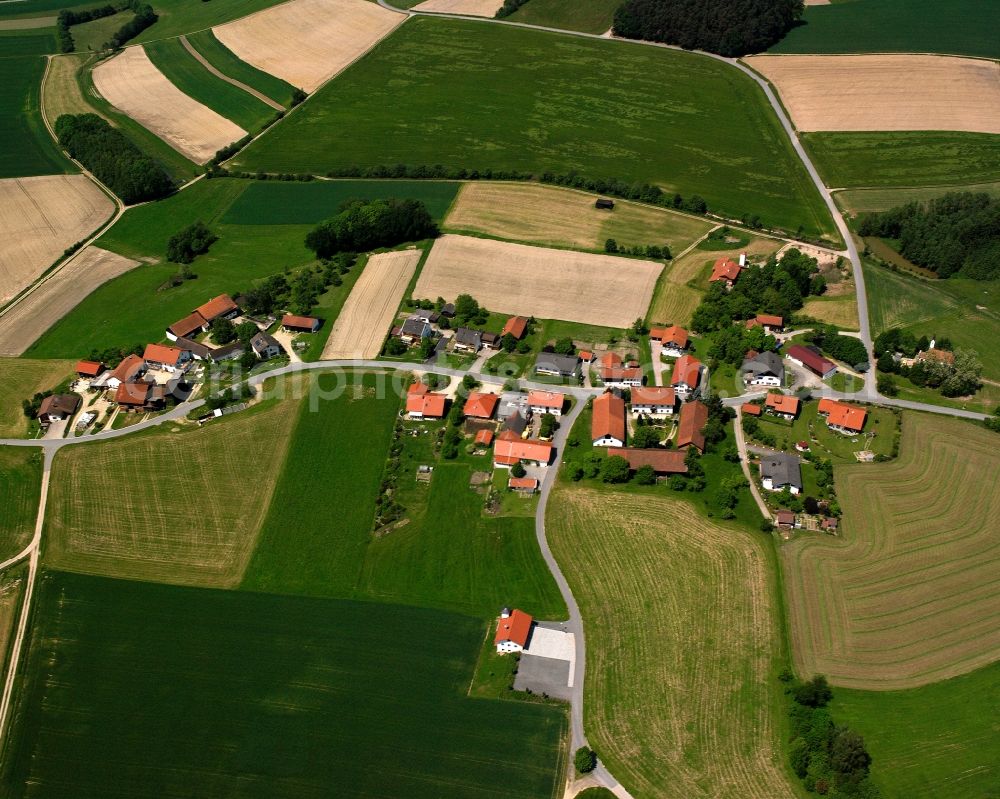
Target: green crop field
<point>39,8</point>
<point>179,507</point>
<point>589,16</point>
<point>190,76</point>
<point>146,691</point>
<point>19,490</point>
<point>21,379</point>
<point>477,96</point>
<point>939,740</point>
<point>903,158</point>
<point>857,201</point>
<point>961,27</point>
<point>683,644</point>
<point>92,36</point>
<point>182,16</point>
<point>224,60</point>
<point>284,203</point>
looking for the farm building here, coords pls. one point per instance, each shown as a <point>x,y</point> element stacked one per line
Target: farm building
<point>663,461</point>
<point>694,416</point>
<point>516,423</point>
<point>221,307</point>
<point>725,271</point>
<point>779,471</point>
<point>265,346</point>
<point>513,402</point>
<point>763,369</point>
<point>422,403</point>
<point>782,405</point>
<point>131,368</point>
<point>673,340</point>
<point>844,418</point>
<point>139,396</point>
<point>607,424</point>
<point>653,401</point>
<point>484,437</point>
<point>56,408</point>
<point>622,376</point>
<point>300,324</point>
<point>829,524</point>
<point>89,368</point>
<point>513,631</point>
<point>169,359</point>
<point>770,323</point>
<point>527,485</point>
<point>686,376</point>
<point>784,518</point>
<point>549,363</point>
<point>517,326</point>
<point>546,402</point>
<point>510,448</point>
<point>415,328</point>
<point>749,409</point>
<point>467,340</point>
<point>480,405</point>
<point>812,359</point>
<point>190,325</point>
<point>199,351</point>
<point>491,340</point>
<point>228,352</point>
<point>604,204</point>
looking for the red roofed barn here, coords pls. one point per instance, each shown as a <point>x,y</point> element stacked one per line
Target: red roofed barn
<point>513,631</point>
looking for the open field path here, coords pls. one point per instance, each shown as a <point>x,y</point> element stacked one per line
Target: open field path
<point>741,447</point>
<point>222,76</point>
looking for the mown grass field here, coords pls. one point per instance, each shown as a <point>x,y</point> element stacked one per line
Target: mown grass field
<point>22,378</point>
<point>91,36</point>
<point>187,74</point>
<point>470,95</point>
<point>178,506</point>
<point>589,16</point>
<point>284,203</point>
<point>683,644</point>
<point>962,27</point>
<point>938,740</point>
<point>224,60</point>
<point>857,201</point>
<point>19,492</point>
<point>906,595</point>
<point>180,16</point>
<point>903,158</point>
<point>143,690</point>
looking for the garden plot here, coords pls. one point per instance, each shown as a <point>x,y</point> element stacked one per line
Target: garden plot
<point>306,42</point>
<point>133,84</point>
<point>886,92</point>
<point>533,281</point>
<point>39,218</point>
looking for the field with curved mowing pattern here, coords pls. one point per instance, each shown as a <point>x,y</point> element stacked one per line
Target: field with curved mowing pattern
<point>682,644</point>
<point>909,594</point>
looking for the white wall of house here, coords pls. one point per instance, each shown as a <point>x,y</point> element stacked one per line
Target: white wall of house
<point>652,410</point>
<point>762,380</point>
<point>546,409</point>
<point>608,441</point>
<point>509,646</point>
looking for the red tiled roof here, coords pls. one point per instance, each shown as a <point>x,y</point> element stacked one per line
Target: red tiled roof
<point>812,360</point>
<point>586,355</point>
<point>89,368</point>
<point>515,628</point>
<point>608,418</point>
<point>724,269</point>
<point>770,320</point>
<point>304,322</point>
<point>191,323</point>
<point>782,403</point>
<point>694,415</point>
<point>510,448</point>
<point>750,409</point>
<point>523,482</point>
<point>653,395</point>
<point>132,393</point>
<point>427,404</point>
<point>840,414</point>
<point>610,360</point>
<point>675,334</point>
<point>663,461</point>
<point>216,307</point>
<point>418,387</point>
<point>686,370</point>
<point>128,368</point>
<point>480,405</point>
<point>484,437</point>
<point>516,326</point>
<point>158,353</point>
<point>610,374</point>
<point>546,399</point>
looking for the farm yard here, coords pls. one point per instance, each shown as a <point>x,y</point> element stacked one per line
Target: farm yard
<point>133,84</point>
<point>367,315</point>
<point>511,278</point>
<point>559,217</point>
<point>177,507</point>
<point>904,596</point>
<point>19,491</point>
<point>886,92</point>
<point>22,378</point>
<point>462,94</point>
<point>305,42</point>
<point>39,218</point>
<point>284,696</point>
<point>681,696</point>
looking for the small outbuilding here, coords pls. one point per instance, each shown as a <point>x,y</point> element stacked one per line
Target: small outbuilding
<point>513,631</point>
<point>300,324</point>
<point>604,204</point>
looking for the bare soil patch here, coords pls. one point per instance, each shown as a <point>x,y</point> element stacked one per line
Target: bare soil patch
<point>534,281</point>
<point>365,319</point>
<point>305,42</point>
<point>133,84</point>
<point>470,8</point>
<point>886,92</point>
<point>39,218</point>
<point>22,325</point>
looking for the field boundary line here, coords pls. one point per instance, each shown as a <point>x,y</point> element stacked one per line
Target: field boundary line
<point>221,76</point>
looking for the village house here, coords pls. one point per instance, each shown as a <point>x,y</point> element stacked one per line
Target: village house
<point>167,359</point>
<point>935,356</point>
<point>782,405</point>
<point>56,408</point>
<point>422,403</point>
<point>763,369</point>
<point>749,409</point>
<point>188,327</point>
<point>228,352</point>
<point>134,397</point>
<point>89,369</point>
<point>549,363</point>
<point>622,376</point>
<point>725,271</point>
<point>694,417</point>
<point>525,485</point>
<point>770,323</point>
<point>779,471</point>
<point>673,340</point>
<point>299,324</point>
<point>480,405</point>
<point>510,448</point>
<point>844,418</point>
<point>513,402</point>
<point>686,376</point>
<point>415,328</point>
<point>221,307</point>
<point>657,401</point>
<point>811,359</point>
<point>513,631</point>
<point>546,402</point>
<point>517,326</point>
<point>265,346</point>
<point>129,370</point>
<point>199,351</point>
<point>467,340</point>
<point>663,461</point>
<point>607,424</point>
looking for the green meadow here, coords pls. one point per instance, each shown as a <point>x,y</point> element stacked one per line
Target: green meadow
<point>477,96</point>
<point>19,491</point>
<point>224,60</point>
<point>588,16</point>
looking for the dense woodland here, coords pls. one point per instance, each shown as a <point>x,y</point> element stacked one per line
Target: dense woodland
<point>363,225</point>
<point>113,158</point>
<point>957,234</point>
<point>727,27</point>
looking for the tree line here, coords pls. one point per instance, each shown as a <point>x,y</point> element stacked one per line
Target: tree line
<point>727,27</point>
<point>957,234</point>
<point>113,158</point>
<point>362,225</point>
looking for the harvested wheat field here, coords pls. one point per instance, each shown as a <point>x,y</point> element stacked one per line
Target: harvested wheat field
<point>840,311</point>
<point>469,8</point>
<point>60,92</point>
<point>365,319</point>
<point>172,507</point>
<point>132,84</point>
<point>886,92</point>
<point>909,594</point>
<point>57,295</point>
<point>533,281</point>
<point>39,218</point>
<point>683,644</point>
<point>565,218</point>
<point>306,42</point>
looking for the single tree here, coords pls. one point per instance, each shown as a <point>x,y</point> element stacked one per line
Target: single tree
<point>585,760</point>
<point>517,470</point>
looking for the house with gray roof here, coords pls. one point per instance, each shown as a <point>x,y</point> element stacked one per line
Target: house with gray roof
<point>468,340</point>
<point>779,471</point>
<point>763,369</point>
<point>550,363</point>
<point>415,328</point>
